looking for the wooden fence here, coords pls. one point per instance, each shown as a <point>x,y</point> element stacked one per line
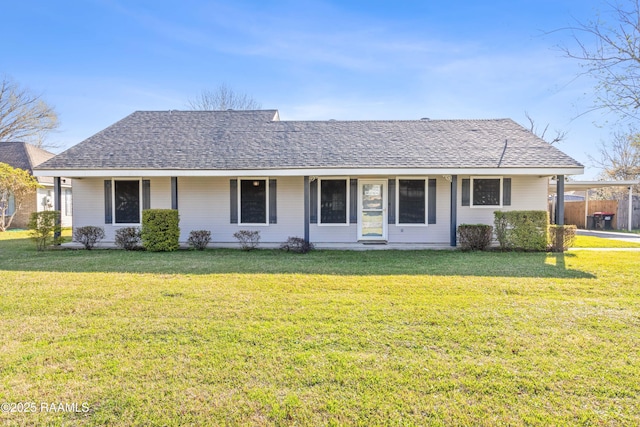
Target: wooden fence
<point>574,211</point>
<point>623,213</point>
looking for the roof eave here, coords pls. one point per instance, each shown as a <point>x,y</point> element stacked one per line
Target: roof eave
<point>349,171</point>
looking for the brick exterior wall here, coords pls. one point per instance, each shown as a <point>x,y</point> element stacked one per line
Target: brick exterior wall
<point>28,206</point>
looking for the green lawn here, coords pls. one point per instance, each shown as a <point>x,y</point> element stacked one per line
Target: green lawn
<point>224,337</point>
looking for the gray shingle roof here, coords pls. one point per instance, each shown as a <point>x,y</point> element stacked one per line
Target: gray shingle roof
<point>236,140</point>
<point>24,156</point>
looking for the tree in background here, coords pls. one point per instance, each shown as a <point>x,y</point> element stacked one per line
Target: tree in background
<point>15,184</point>
<point>23,115</point>
<point>619,159</point>
<point>223,98</point>
<point>610,53</point>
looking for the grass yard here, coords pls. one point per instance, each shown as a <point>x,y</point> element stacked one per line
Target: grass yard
<point>224,337</point>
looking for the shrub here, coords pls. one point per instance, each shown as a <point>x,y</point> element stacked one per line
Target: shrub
<point>562,237</point>
<point>297,245</point>
<point>160,230</point>
<point>88,235</point>
<point>43,227</point>
<point>474,237</point>
<point>199,239</point>
<point>248,239</point>
<point>128,238</point>
<point>522,230</point>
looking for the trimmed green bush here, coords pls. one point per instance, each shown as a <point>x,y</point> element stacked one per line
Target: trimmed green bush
<point>474,237</point>
<point>562,237</point>
<point>88,235</point>
<point>160,230</point>
<point>522,230</point>
<point>42,228</point>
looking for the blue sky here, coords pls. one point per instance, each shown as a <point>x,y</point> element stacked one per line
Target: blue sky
<point>97,61</point>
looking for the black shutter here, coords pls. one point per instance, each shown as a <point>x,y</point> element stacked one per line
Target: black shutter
<point>146,194</point>
<point>391,204</point>
<point>108,218</point>
<point>466,191</point>
<point>174,192</point>
<point>431,204</point>
<point>233,201</point>
<point>353,203</point>
<point>313,201</point>
<point>506,192</point>
<point>273,210</point>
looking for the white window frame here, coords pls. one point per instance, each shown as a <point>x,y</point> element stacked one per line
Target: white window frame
<point>471,205</point>
<point>426,200</point>
<point>266,219</point>
<point>113,201</point>
<point>348,202</point>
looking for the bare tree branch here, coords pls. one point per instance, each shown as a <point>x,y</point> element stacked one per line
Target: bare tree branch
<point>223,98</point>
<point>610,53</point>
<point>533,127</point>
<point>23,115</point>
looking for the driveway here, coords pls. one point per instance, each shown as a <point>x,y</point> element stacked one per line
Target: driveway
<point>625,237</point>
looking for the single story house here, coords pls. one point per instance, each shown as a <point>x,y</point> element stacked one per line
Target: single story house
<point>27,156</point>
<point>346,184</point>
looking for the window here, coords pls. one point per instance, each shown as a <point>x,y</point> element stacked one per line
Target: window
<point>127,202</point>
<point>486,191</point>
<point>411,201</point>
<point>253,201</point>
<point>67,202</point>
<point>10,205</point>
<point>333,201</point>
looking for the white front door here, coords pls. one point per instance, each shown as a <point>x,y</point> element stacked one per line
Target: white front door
<point>372,202</point>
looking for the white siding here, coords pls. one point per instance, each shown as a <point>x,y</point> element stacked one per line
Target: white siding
<point>204,204</point>
<point>432,233</point>
<point>527,193</point>
<point>88,202</point>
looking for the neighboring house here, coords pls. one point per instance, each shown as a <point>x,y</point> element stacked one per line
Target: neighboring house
<point>336,183</point>
<point>26,156</point>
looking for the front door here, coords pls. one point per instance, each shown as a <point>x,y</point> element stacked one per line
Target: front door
<point>372,201</point>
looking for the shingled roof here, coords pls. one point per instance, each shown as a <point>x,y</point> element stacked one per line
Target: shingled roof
<point>24,156</point>
<point>258,140</point>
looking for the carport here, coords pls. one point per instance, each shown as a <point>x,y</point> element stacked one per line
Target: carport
<point>589,185</point>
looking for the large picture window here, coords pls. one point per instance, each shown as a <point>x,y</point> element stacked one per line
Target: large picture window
<point>127,202</point>
<point>333,201</point>
<point>411,201</point>
<point>253,201</point>
<point>486,191</point>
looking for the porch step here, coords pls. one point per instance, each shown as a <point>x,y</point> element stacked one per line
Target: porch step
<point>373,242</point>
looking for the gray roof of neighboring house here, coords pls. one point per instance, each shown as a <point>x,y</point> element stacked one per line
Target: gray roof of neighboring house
<point>236,140</point>
<point>25,156</point>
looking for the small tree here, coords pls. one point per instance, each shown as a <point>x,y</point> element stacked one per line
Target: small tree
<point>16,183</point>
<point>43,226</point>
